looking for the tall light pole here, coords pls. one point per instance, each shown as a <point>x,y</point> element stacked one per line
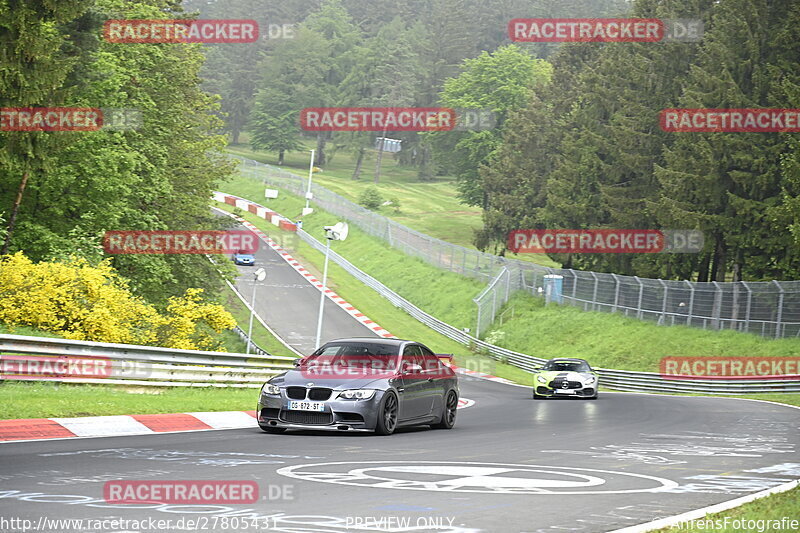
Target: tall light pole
<point>259,276</point>
<point>310,172</point>
<point>337,232</point>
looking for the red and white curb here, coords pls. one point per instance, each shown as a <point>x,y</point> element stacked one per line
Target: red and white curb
<point>29,429</point>
<point>262,212</point>
<point>121,425</point>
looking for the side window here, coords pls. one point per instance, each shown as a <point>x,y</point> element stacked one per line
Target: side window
<point>430,361</point>
<point>412,356</point>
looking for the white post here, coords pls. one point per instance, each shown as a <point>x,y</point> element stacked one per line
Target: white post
<point>322,294</point>
<point>252,312</point>
<point>258,276</point>
<point>310,172</point>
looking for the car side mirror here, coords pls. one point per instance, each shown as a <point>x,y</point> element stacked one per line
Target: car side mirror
<point>297,362</point>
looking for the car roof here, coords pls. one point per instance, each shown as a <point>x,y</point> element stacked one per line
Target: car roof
<point>568,360</point>
<point>376,340</point>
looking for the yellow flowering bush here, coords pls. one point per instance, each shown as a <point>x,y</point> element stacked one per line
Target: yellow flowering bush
<point>85,302</point>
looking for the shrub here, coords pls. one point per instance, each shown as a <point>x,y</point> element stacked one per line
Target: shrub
<point>84,302</point>
<point>370,198</point>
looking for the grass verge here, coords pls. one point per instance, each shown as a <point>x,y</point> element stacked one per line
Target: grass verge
<point>751,516</point>
<point>46,400</point>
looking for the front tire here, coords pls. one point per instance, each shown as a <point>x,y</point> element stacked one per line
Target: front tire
<point>387,415</point>
<point>449,414</point>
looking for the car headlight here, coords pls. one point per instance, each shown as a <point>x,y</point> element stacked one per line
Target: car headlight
<point>269,388</point>
<point>591,380</point>
<point>541,379</point>
<point>356,394</point>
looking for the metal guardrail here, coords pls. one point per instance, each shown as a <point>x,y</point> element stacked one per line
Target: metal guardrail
<point>769,309</point>
<point>615,379</point>
<point>255,348</point>
<point>127,364</point>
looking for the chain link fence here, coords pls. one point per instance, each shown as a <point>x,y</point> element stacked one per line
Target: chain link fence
<point>769,309</point>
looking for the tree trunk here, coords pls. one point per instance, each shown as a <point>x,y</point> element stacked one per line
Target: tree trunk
<point>359,160</point>
<point>319,155</point>
<point>281,153</point>
<point>718,268</point>
<point>702,270</point>
<point>12,219</point>
<point>235,136</point>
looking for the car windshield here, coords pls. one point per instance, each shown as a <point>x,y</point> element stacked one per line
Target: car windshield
<point>355,354</point>
<point>566,366</point>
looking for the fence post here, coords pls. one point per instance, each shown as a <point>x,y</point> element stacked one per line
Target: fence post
<point>663,318</point>
<point>780,310</point>
<point>639,302</point>
<point>574,285</point>
<point>594,293</point>
<point>616,293</point>
<point>690,314</point>
<point>717,310</point>
<point>747,311</point>
<point>478,325</point>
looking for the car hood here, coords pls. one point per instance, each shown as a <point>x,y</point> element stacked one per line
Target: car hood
<point>570,376</point>
<point>299,378</point>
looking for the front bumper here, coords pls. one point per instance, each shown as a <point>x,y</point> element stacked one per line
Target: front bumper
<point>339,415</point>
<point>583,392</point>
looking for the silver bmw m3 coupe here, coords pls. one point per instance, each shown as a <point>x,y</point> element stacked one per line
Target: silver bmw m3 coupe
<point>361,384</point>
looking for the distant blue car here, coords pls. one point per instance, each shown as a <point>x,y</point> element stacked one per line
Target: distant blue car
<point>244,258</point>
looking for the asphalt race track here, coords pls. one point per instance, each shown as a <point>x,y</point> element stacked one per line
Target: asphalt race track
<point>289,304</point>
<point>511,464</point>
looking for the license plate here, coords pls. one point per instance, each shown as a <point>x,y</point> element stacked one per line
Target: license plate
<point>306,406</point>
<point>565,391</point>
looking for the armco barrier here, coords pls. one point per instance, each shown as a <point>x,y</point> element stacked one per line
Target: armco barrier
<point>615,379</point>
<point>769,309</point>
<point>148,365</point>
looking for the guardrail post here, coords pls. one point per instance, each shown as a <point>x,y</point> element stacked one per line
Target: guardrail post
<point>616,293</point>
<point>639,301</point>
<point>780,309</point>
<point>663,319</point>
<point>594,292</point>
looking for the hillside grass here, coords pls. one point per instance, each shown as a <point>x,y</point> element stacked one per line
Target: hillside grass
<point>431,207</point>
<point>605,339</point>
